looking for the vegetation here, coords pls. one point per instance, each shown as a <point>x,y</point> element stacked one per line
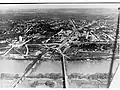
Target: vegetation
<point>50,83</point>
<point>57,76</point>
<point>34,84</point>
<point>55,80</point>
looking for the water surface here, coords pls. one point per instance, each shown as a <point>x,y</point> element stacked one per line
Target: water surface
<point>101,66</point>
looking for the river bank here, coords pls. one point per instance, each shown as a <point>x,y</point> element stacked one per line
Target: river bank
<point>54,80</point>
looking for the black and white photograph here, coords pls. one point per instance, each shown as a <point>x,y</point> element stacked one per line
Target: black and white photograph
<point>59,45</point>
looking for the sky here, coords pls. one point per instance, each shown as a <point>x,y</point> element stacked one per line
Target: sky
<point>47,6</point>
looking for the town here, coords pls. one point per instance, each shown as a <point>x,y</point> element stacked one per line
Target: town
<point>26,36</point>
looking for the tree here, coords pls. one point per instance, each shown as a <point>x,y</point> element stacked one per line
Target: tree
<point>47,75</point>
<point>40,75</point>
<point>50,83</point>
<point>34,84</point>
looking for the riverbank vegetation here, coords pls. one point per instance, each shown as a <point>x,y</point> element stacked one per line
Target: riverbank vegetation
<point>54,80</point>
<point>56,76</point>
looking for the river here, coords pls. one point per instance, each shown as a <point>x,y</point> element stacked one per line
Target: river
<point>96,66</point>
